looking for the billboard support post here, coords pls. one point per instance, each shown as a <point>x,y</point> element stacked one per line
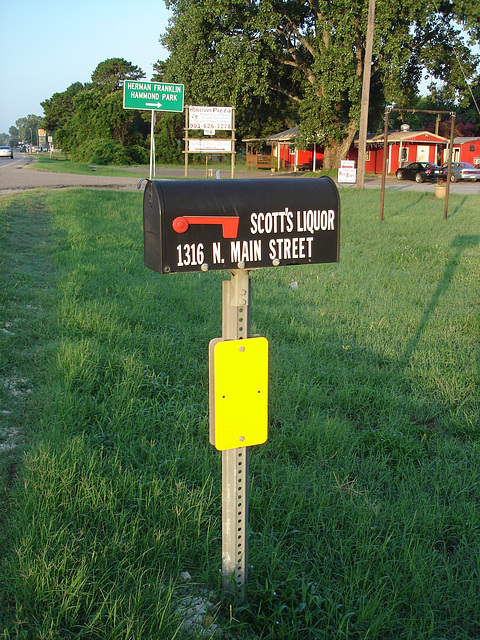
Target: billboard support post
<point>210,120</point>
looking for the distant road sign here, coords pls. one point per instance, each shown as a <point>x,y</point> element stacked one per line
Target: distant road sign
<point>156,96</point>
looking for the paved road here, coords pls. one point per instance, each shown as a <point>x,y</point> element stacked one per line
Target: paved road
<point>17,174</point>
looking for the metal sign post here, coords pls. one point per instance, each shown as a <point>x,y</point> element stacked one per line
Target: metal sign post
<point>152,146</point>
<point>235,325</point>
<point>152,96</point>
<point>235,520</point>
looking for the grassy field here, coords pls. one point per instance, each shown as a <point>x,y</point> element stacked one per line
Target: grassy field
<point>61,164</point>
<point>364,502</point>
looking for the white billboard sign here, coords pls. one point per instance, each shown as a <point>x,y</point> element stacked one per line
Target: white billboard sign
<point>200,145</point>
<point>210,118</point>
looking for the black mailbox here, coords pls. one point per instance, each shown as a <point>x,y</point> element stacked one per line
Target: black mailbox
<point>193,225</point>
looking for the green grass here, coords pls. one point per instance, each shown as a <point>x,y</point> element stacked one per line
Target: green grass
<point>364,502</point>
<point>63,165</point>
<point>59,163</point>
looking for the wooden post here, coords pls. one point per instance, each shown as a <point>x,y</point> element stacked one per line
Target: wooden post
<point>450,158</point>
<point>384,167</point>
<point>186,142</point>
<point>367,72</point>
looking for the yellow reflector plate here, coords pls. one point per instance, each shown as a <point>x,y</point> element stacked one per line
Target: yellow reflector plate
<point>238,392</point>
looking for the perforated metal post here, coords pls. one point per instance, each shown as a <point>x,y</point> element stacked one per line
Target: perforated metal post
<point>235,325</point>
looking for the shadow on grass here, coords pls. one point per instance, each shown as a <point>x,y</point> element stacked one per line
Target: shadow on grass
<point>458,207</point>
<point>408,205</point>
<point>460,243</point>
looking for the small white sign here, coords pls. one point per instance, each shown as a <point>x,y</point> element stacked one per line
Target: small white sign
<point>201,145</point>
<point>347,175</point>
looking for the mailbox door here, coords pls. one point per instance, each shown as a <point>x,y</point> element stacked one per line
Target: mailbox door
<point>152,233</point>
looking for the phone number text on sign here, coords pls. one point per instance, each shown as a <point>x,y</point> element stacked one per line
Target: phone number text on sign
<point>210,118</point>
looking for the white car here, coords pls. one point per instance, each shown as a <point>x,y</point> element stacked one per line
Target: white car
<point>463,171</point>
<point>6,152</point>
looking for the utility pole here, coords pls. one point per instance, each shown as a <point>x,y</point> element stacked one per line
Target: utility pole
<point>367,72</point>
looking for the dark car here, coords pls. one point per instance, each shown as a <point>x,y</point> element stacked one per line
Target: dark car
<point>463,171</point>
<point>421,171</point>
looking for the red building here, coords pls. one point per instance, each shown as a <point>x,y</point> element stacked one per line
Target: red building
<point>403,147</point>
<point>466,150</point>
<point>279,151</point>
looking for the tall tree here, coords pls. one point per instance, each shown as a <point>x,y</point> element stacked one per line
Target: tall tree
<point>59,107</point>
<point>28,128</point>
<point>89,120</point>
<point>313,54</point>
<point>110,74</point>
<point>217,52</point>
<point>13,136</point>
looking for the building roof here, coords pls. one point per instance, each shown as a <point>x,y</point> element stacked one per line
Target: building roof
<point>394,136</point>
<point>409,136</point>
<point>283,136</point>
<point>465,139</point>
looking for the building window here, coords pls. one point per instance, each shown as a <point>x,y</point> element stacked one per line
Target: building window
<point>472,147</point>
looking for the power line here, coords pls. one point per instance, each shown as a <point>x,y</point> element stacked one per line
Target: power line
<point>452,43</point>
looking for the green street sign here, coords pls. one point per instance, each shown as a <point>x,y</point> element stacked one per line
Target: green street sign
<point>157,96</point>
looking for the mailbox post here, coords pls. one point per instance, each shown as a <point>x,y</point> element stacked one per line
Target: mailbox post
<point>235,322</point>
<point>238,225</point>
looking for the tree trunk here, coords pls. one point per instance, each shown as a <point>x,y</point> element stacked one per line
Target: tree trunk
<point>336,151</point>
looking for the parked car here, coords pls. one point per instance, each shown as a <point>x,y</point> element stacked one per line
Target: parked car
<point>6,152</point>
<point>463,171</point>
<point>421,171</point>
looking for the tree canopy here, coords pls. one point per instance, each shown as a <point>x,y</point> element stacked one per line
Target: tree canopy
<point>59,108</point>
<point>111,74</point>
<point>311,56</point>
<point>90,122</point>
<point>27,128</point>
<point>280,63</point>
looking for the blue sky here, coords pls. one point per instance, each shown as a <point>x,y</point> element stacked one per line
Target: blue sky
<point>46,46</point>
